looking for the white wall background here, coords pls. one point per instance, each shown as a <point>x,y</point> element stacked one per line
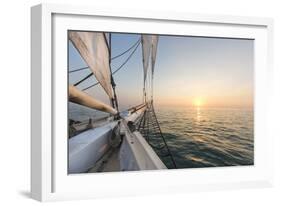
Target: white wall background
<point>15,95</point>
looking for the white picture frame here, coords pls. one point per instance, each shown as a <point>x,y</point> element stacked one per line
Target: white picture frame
<point>49,178</point>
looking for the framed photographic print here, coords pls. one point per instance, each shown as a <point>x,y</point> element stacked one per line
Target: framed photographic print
<point>137,102</point>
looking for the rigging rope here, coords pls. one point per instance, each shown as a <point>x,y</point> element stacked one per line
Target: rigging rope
<point>115,57</point>
<point>120,67</point>
<point>119,55</point>
<point>149,127</point>
<point>82,80</point>
<point>168,149</point>
<point>76,70</point>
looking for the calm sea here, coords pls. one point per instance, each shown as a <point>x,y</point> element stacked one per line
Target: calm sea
<point>199,137</point>
<point>208,137</point>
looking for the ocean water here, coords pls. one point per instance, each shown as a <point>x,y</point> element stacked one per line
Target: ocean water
<point>199,137</point>
<point>208,137</point>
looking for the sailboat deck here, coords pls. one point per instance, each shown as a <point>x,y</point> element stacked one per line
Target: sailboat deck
<point>108,163</point>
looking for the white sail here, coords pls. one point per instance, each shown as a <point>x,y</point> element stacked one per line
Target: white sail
<point>146,50</point>
<point>93,49</point>
<point>149,50</point>
<point>154,42</point>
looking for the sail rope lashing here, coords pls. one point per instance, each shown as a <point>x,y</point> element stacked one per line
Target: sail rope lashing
<point>115,57</point>
<point>119,68</point>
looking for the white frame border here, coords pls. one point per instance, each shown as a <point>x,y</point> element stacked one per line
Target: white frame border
<point>42,87</point>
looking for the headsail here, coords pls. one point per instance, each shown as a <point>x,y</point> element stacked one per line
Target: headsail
<point>94,50</point>
<point>154,42</point>
<point>149,50</point>
<point>146,49</point>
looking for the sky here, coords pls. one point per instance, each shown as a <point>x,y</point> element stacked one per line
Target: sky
<point>189,71</point>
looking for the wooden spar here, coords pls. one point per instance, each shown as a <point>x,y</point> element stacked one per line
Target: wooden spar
<point>79,97</point>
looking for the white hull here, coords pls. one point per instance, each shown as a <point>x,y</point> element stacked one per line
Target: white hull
<point>134,153</point>
<point>86,148</point>
<point>137,154</point>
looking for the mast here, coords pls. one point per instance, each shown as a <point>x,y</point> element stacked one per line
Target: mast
<point>112,80</point>
<point>114,100</point>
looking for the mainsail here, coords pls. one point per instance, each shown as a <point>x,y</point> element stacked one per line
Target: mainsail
<point>93,49</point>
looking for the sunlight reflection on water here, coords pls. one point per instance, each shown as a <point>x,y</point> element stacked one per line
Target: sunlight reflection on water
<point>198,114</point>
<point>204,137</point>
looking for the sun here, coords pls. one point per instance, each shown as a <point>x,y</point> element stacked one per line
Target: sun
<point>197,102</point>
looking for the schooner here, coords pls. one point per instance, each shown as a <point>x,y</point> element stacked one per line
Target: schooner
<point>125,140</point>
